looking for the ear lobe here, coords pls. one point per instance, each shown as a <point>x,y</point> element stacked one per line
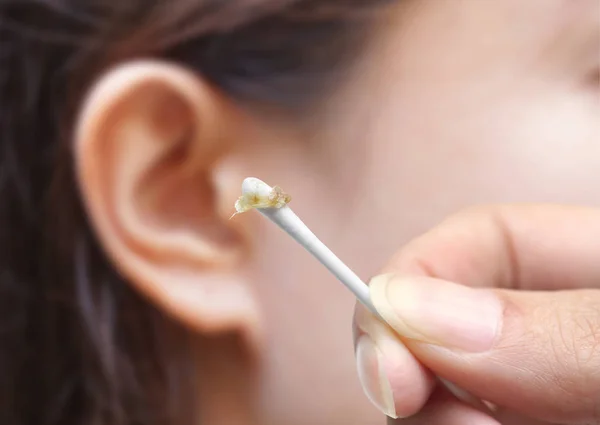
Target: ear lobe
<point>146,147</point>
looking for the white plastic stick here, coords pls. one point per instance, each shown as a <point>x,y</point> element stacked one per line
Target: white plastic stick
<point>288,221</point>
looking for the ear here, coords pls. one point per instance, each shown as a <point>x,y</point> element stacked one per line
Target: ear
<point>147,146</point>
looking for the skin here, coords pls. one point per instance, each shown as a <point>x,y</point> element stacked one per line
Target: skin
<point>453,104</point>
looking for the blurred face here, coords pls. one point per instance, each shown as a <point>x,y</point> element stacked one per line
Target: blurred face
<point>454,104</point>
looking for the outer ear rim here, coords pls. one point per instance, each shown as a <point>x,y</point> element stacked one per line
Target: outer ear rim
<point>113,88</point>
<point>117,82</point>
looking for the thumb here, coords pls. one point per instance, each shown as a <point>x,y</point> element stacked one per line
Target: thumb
<point>537,353</point>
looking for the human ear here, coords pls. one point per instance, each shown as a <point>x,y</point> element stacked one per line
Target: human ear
<point>147,144</point>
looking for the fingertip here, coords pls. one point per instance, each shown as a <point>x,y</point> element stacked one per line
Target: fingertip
<point>444,409</point>
<point>393,379</point>
<point>411,383</point>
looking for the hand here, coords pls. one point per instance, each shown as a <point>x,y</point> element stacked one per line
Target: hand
<point>502,301</point>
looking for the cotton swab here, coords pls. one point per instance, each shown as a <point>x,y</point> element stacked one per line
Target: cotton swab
<point>272,203</point>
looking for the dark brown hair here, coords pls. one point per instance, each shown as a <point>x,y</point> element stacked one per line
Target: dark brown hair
<point>77,344</point>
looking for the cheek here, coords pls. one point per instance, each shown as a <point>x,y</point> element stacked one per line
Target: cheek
<point>512,148</point>
<point>447,118</point>
<point>433,152</point>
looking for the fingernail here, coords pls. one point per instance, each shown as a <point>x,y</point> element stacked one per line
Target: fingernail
<point>438,312</point>
<point>373,377</point>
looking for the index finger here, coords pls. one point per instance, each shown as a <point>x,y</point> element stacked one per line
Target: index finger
<point>529,247</point>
